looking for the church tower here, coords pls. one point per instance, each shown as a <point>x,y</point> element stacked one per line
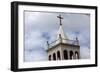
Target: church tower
<point>63,48</point>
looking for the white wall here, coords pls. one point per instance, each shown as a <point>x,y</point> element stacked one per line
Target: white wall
<point>5,36</point>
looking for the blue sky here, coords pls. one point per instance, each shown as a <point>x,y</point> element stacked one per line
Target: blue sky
<point>43,26</point>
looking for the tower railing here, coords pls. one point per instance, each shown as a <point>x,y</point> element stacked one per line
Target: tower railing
<point>64,41</point>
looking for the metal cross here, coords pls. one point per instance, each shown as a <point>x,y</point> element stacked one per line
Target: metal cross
<point>60,19</point>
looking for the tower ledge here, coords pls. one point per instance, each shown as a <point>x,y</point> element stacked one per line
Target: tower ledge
<point>64,41</point>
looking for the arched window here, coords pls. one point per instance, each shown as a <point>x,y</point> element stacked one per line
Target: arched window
<point>49,57</point>
<point>54,56</point>
<point>65,54</point>
<point>76,55</point>
<point>58,55</point>
<point>71,55</point>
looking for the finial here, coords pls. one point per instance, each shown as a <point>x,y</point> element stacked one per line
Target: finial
<point>76,38</point>
<point>77,41</point>
<point>48,44</point>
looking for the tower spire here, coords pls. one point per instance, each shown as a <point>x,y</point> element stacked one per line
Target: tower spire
<point>61,32</point>
<point>60,18</point>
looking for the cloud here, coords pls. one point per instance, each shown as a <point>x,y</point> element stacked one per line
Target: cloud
<point>33,39</point>
<point>85,52</point>
<point>35,55</point>
<point>43,26</point>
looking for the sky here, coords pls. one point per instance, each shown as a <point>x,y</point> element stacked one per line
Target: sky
<point>41,27</point>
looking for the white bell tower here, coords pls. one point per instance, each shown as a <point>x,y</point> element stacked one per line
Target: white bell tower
<point>63,48</point>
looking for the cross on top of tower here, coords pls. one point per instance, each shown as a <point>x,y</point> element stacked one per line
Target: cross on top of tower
<point>60,19</point>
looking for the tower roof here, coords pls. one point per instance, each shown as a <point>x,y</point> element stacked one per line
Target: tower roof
<point>61,33</point>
